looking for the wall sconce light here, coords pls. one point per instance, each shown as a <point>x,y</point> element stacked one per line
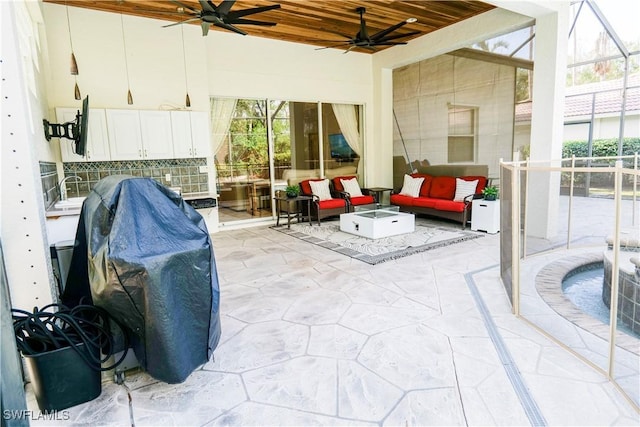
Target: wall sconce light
<point>126,64</point>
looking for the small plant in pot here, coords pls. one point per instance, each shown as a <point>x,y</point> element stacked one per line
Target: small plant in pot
<point>292,191</point>
<point>490,192</point>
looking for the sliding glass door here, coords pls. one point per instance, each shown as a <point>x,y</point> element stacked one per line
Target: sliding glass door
<point>264,145</point>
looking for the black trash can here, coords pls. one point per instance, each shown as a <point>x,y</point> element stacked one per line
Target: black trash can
<point>61,378</point>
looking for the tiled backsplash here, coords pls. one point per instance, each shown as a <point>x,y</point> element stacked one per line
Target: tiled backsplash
<point>185,173</point>
<point>49,179</point>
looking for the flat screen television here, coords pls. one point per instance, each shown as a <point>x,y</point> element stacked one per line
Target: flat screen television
<point>340,149</point>
<point>76,131</point>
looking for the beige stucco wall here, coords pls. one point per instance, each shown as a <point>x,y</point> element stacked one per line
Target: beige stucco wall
<point>423,93</point>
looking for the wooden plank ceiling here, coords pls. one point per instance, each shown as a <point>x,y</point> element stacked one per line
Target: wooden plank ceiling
<point>314,22</point>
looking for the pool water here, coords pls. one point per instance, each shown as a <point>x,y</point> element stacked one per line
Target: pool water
<point>584,290</point>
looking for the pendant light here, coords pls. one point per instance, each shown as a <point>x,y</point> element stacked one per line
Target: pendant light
<point>74,63</point>
<point>126,64</point>
<point>184,60</point>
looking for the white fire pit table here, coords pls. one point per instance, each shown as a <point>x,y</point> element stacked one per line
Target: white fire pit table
<point>377,221</point>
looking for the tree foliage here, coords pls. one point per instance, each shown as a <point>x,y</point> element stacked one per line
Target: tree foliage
<point>248,132</point>
<point>601,147</point>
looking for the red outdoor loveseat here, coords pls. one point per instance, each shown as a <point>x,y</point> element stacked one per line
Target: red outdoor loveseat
<point>437,197</point>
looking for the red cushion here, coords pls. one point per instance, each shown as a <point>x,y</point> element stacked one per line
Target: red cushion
<point>426,183</point>
<point>362,200</point>
<point>331,203</point>
<point>306,187</point>
<point>402,200</point>
<point>443,187</point>
<point>449,205</point>
<point>482,182</point>
<point>425,202</point>
<point>337,185</point>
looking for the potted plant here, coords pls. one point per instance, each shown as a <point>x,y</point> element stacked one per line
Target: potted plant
<point>292,191</point>
<point>490,192</point>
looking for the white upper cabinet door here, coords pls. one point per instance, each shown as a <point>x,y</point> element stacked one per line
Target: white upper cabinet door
<point>97,138</point>
<point>200,134</point>
<point>125,139</point>
<point>181,131</point>
<point>157,140</point>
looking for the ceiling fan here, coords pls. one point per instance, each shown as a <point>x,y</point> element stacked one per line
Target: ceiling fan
<point>222,15</point>
<point>382,38</point>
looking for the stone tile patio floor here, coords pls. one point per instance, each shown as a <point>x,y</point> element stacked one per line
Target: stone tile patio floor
<point>311,337</point>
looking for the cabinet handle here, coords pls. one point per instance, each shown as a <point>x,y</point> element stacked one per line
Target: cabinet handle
<point>145,153</point>
<point>190,151</point>
<point>88,154</point>
<point>195,151</point>
<point>140,153</point>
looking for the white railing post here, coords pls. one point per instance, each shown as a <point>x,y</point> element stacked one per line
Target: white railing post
<point>635,188</point>
<point>515,239</point>
<point>573,165</point>
<point>613,306</point>
<point>526,205</point>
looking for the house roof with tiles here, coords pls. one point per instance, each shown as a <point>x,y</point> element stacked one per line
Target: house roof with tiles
<point>578,99</point>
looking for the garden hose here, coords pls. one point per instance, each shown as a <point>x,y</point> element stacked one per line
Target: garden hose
<point>45,330</point>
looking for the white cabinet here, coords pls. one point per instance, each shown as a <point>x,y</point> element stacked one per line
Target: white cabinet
<point>485,215</point>
<point>125,139</point>
<point>181,132</point>
<point>200,134</point>
<point>157,142</point>
<point>97,149</point>
<point>190,130</point>
<point>139,135</point>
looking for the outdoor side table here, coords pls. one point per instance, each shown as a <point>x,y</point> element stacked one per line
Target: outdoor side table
<point>485,215</point>
<point>291,207</point>
<point>378,192</point>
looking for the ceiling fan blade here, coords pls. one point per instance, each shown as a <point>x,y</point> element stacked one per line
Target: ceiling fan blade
<point>251,22</point>
<point>390,43</point>
<point>185,6</point>
<point>389,30</point>
<point>245,12</point>
<point>205,28</point>
<point>181,22</point>
<point>225,7</point>
<point>230,28</point>
<point>207,6</point>
<point>333,45</point>
<point>397,36</point>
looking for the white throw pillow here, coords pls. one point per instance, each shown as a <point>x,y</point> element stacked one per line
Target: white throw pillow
<point>411,186</point>
<point>464,189</point>
<point>321,189</point>
<point>352,187</point>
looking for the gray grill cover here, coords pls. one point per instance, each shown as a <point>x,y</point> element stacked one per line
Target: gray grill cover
<point>146,257</point>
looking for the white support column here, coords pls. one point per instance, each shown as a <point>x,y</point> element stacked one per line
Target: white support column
<point>379,154</point>
<point>22,224</point>
<point>547,119</point>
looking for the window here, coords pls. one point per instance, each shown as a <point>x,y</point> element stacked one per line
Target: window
<point>461,145</point>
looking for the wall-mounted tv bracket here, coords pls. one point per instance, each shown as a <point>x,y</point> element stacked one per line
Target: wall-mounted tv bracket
<point>55,130</point>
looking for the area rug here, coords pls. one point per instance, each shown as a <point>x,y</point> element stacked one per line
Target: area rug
<point>375,251</point>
